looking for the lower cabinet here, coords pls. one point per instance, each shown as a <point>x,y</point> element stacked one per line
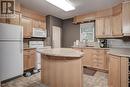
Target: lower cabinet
<point>29,58</point>
<point>61,72</point>
<point>118,71</point>
<point>114,71</point>
<point>99,59</point>
<point>87,61</point>
<point>95,58</point>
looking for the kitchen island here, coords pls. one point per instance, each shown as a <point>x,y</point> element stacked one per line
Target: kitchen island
<point>61,67</point>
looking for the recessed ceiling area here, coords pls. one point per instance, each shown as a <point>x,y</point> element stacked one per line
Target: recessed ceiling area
<point>82,7</point>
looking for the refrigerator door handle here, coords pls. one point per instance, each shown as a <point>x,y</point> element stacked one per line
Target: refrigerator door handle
<point>21,47</point>
<point>21,42</point>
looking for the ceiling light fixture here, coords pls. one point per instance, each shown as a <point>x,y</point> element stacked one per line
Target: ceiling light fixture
<point>62,4</point>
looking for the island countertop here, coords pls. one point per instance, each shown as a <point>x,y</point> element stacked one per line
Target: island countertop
<point>61,52</point>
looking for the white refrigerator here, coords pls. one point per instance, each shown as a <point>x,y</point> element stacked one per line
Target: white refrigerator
<point>11,51</point>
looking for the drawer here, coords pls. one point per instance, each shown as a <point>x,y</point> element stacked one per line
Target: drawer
<point>95,56</point>
<point>26,52</point>
<point>95,65</point>
<point>100,66</point>
<point>94,61</point>
<point>98,52</point>
<point>29,52</point>
<point>32,52</point>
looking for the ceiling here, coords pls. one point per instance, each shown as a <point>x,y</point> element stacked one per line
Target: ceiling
<point>82,6</point>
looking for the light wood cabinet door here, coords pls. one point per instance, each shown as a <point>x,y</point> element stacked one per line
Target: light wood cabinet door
<point>124,72</point>
<point>99,59</point>
<point>103,27</point>
<point>43,25</point>
<point>39,24</point>
<point>117,25</point>
<point>29,59</point>
<point>95,58</point>
<point>108,28</point>
<point>100,25</point>
<point>32,58</point>
<point>87,59</point>
<point>114,71</point>
<point>36,24</point>
<point>126,18</point>
<point>107,60</point>
<point>27,27</point>
<point>26,61</point>
<point>16,20</point>
<point>17,7</point>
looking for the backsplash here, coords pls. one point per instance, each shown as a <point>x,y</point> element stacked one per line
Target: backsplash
<point>119,43</point>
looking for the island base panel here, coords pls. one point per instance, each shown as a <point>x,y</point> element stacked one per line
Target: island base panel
<point>61,72</point>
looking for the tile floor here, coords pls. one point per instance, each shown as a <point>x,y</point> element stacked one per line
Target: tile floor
<point>98,80</point>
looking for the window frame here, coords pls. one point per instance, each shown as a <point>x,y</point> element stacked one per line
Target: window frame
<point>81,39</point>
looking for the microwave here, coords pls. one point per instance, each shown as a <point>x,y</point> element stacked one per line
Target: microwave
<point>37,32</point>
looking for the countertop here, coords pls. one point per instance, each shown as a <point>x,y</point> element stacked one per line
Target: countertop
<point>123,52</point>
<point>61,52</point>
<point>91,48</point>
<point>97,48</point>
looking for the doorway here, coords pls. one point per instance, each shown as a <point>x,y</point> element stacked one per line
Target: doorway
<point>56,37</point>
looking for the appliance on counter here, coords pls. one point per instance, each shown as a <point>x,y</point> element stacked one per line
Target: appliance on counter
<point>103,43</point>
<point>37,32</point>
<point>11,51</point>
<point>38,45</point>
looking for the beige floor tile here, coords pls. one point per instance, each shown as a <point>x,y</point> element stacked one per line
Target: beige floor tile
<point>98,80</point>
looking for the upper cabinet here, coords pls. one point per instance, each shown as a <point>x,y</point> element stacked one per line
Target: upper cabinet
<point>17,7</point>
<point>117,25</point>
<point>27,27</point>
<point>39,24</point>
<point>16,20</point>
<point>36,24</point>
<point>126,18</point>
<point>86,17</point>
<point>108,27</point>
<point>92,16</point>
<point>103,27</point>
<point>43,25</point>
<point>111,26</point>
<point>110,23</point>
<point>100,22</point>
<point>117,21</point>
<point>27,18</point>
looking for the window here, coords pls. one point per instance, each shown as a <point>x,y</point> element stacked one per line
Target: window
<point>87,32</point>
